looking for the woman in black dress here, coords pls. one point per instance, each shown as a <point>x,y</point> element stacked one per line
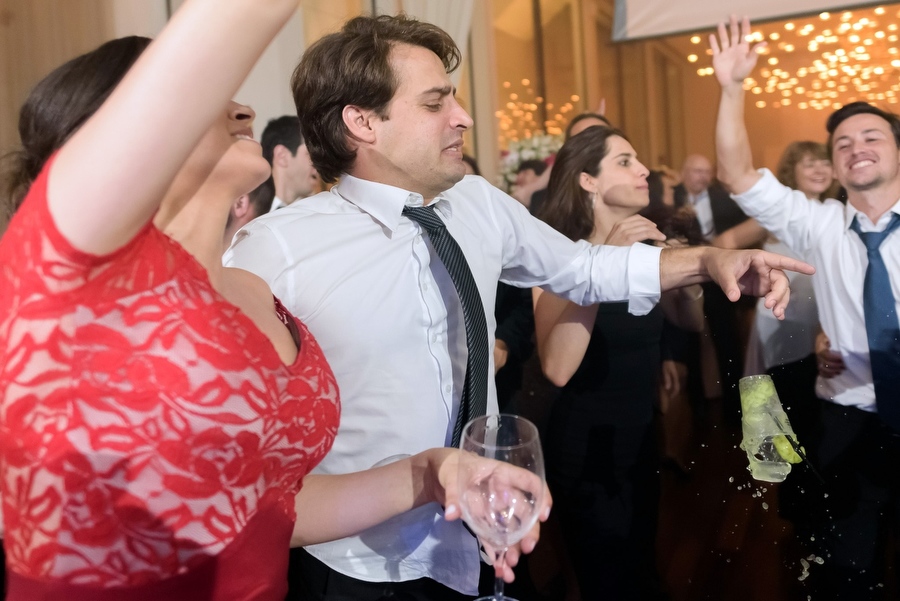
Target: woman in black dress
<point>600,444</point>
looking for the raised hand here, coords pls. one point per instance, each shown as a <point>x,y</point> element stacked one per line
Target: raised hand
<point>733,57</point>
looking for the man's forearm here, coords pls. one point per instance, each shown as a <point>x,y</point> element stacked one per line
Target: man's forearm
<point>733,154</point>
<point>683,266</point>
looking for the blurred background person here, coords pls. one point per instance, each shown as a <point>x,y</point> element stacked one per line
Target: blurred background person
<point>785,349</point>
<point>727,322</point>
<point>247,208</point>
<point>680,386</point>
<point>292,170</point>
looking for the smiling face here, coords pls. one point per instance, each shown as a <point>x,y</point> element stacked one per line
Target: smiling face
<point>813,175</point>
<point>417,146</point>
<point>864,153</point>
<point>621,183</point>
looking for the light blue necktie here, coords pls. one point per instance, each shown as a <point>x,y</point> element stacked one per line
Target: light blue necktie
<point>474,397</point>
<point>882,326</point>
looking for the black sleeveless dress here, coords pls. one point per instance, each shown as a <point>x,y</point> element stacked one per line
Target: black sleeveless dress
<point>602,457</point>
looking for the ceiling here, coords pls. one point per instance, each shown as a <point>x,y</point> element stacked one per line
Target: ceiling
<point>819,62</point>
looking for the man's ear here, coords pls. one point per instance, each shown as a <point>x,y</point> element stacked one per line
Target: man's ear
<point>359,123</point>
<point>241,206</point>
<point>281,155</point>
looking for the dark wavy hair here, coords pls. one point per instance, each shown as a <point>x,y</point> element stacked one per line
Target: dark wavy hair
<point>57,106</point>
<point>284,130</point>
<point>860,108</point>
<point>568,208</point>
<point>352,67</point>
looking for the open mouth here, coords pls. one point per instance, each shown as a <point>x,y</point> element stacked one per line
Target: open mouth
<point>861,164</point>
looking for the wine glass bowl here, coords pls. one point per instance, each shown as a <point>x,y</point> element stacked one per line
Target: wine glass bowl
<point>501,499</point>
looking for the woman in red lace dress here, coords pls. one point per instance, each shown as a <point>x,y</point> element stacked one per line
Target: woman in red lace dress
<point>158,412</point>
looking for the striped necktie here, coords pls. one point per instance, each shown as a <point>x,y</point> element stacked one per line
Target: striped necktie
<point>882,326</point>
<point>474,397</point>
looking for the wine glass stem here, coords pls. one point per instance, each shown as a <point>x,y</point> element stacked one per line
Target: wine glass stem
<point>499,564</point>
<point>498,589</point>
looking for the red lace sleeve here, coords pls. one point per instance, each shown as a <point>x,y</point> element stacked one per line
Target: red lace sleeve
<point>145,422</point>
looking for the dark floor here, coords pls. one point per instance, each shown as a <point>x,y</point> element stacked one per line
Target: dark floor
<point>720,536</point>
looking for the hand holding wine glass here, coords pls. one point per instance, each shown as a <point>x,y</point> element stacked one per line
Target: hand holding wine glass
<point>501,500</point>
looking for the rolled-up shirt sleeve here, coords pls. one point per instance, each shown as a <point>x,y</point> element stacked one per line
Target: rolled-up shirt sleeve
<point>643,278</point>
<point>537,255</point>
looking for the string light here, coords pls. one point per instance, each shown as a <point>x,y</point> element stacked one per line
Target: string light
<point>825,60</point>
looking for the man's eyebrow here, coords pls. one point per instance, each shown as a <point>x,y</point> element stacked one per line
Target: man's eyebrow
<point>865,131</point>
<point>441,91</point>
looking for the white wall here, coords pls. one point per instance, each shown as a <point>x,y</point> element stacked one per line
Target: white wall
<point>145,18</point>
<point>267,88</point>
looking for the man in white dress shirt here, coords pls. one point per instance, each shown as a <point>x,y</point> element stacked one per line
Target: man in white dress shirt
<point>379,112</point>
<point>857,445</point>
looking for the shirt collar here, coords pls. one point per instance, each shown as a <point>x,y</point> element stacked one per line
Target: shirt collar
<point>865,224</point>
<point>384,202</point>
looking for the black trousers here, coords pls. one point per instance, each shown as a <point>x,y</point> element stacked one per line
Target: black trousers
<point>311,580</point>
<point>851,519</point>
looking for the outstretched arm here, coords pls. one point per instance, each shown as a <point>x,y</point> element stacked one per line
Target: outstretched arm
<point>733,60</point>
<point>108,180</point>
<point>330,507</point>
<point>753,272</point>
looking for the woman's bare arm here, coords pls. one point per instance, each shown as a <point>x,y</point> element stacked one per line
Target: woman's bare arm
<point>108,180</point>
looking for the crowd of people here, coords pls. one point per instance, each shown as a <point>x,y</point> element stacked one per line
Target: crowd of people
<point>239,370</point>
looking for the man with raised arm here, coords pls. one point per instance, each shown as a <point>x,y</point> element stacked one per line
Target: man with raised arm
<point>395,270</point>
<point>857,252</point>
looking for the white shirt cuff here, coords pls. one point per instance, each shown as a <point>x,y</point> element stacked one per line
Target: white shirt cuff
<point>643,278</point>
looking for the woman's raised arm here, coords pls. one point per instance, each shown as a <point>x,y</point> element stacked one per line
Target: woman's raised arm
<point>109,178</point>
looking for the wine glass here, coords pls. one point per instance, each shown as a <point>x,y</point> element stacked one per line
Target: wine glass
<point>501,484</point>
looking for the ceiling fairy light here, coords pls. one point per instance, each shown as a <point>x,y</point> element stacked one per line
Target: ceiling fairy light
<point>823,61</point>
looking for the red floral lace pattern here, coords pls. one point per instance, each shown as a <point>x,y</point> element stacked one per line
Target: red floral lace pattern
<point>143,419</point>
